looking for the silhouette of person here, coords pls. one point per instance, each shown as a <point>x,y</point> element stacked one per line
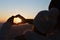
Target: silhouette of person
<point>41,24</point>
<point>45,21</point>
<point>44,24</point>
<point>5,28</point>
<point>54,12</point>
<point>55,4</point>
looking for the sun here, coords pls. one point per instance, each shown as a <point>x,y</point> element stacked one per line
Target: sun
<point>17,20</point>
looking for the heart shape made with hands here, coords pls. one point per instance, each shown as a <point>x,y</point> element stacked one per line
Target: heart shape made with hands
<point>17,19</point>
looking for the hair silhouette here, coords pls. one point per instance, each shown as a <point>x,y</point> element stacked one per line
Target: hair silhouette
<point>55,4</point>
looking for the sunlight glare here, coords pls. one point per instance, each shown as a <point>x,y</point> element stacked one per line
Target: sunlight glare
<point>17,20</point>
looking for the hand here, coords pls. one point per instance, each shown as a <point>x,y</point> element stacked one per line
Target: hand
<point>10,20</point>
<point>18,15</point>
<point>21,17</point>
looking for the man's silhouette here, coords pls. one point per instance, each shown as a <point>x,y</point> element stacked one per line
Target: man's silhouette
<point>5,28</point>
<point>44,24</point>
<point>4,32</point>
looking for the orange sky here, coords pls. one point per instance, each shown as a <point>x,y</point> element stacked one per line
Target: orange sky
<point>26,8</point>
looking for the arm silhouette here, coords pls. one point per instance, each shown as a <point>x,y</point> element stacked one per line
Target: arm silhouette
<point>30,21</point>
<point>5,28</point>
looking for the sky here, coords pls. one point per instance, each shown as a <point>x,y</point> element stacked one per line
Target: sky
<point>26,8</point>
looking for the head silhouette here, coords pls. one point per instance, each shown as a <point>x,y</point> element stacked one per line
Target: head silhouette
<point>40,21</point>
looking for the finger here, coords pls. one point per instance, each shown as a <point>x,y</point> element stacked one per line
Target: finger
<point>17,15</point>
<point>10,19</point>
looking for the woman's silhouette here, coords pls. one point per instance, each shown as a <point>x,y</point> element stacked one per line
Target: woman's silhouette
<point>56,4</point>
